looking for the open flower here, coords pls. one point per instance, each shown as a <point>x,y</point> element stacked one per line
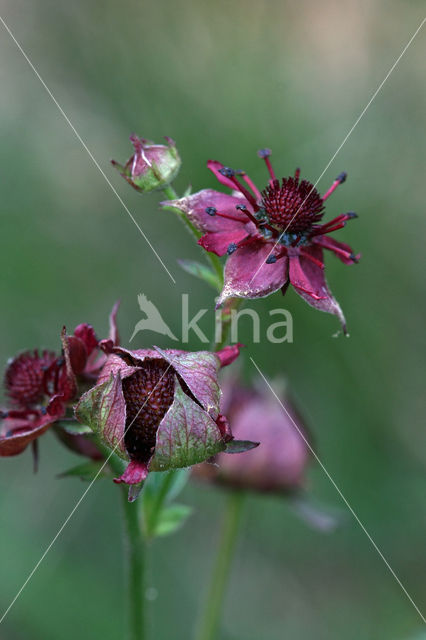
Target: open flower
<point>152,166</point>
<point>273,238</point>
<point>279,464</point>
<point>40,386</point>
<point>158,409</point>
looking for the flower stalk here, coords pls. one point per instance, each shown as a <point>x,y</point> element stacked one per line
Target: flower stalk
<point>135,551</point>
<point>210,620</point>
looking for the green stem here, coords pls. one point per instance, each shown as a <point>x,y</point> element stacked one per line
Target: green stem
<point>135,549</point>
<point>135,552</point>
<point>217,590</point>
<point>233,304</point>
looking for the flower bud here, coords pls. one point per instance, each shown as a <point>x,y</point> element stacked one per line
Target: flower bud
<point>158,410</point>
<point>152,166</point>
<point>279,464</point>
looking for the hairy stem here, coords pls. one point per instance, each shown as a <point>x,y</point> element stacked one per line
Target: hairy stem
<point>134,547</point>
<point>210,621</point>
<point>231,305</point>
<point>135,551</point>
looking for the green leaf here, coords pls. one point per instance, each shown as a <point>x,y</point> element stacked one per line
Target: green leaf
<point>86,471</point>
<point>239,446</point>
<point>171,519</point>
<point>201,271</point>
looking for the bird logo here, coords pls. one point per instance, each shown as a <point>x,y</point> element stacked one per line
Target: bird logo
<point>153,320</point>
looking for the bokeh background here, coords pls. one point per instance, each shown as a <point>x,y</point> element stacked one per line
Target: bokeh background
<point>223,79</point>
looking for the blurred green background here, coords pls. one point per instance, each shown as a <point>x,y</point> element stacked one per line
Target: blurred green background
<point>223,79</point>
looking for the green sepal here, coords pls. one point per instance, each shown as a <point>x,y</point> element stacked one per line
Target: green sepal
<point>103,408</point>
<point>186,436</point>
<point>239,446</point>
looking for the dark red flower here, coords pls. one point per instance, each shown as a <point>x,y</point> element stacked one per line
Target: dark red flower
<point>41,386</point>
<point>273,238</point>
<point>158,409</point>
<point>279,464</point>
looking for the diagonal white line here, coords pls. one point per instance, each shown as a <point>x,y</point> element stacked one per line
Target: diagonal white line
<point>86,148</point>
<point>315,455</point>
<point>345,139</point>
<point>79,501</point>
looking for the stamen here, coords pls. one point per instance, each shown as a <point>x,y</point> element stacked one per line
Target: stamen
<point>212,211</point>
<point>265,153</point>
<point>335,224</point>
<point>227,172</point>
<point>339,180</point>
<point>271,259</point>
<point>251,184</point>
<point>231,249</point>
<point>297,174</point>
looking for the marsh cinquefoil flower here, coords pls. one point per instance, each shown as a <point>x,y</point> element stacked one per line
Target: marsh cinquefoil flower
<point>158,409</point>
<point>273,238</point>
<point>279,464</point>
<point>41,385</point>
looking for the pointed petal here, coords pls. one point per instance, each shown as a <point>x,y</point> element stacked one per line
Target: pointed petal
<point>341,249</point>
<point>248,276</point>
<point>113,329</point>
<point>309,281</point>
<point>228,354</point>
<point>86,334</point>
<point>199,372</point>
<point>218,243</point>
<point>113,365</point>
<point>135,473</point>
<point>186,435</point>
<point>17,433</point>
<point>103,409</point>
<point>194,207</point>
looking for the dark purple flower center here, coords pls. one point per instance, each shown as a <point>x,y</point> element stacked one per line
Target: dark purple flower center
<point>27,377</point>
<point>292,206</point>
<point>148,394</point>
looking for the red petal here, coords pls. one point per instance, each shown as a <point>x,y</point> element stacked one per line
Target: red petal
<point>248,276</point>
<point>135,472</point>
<point>194,207</point>
<point>113,330</point>
<point>26,430</point>
<point>309,281</point>
<point>77,353</point>
<point>228,354</point>
<point>341,249</point>
<point>87,335</point>
<point>218,243</point>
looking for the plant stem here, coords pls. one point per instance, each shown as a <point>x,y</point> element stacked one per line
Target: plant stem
<point>232,304</point>
<point>135,550</point>
<point>212,613</point>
